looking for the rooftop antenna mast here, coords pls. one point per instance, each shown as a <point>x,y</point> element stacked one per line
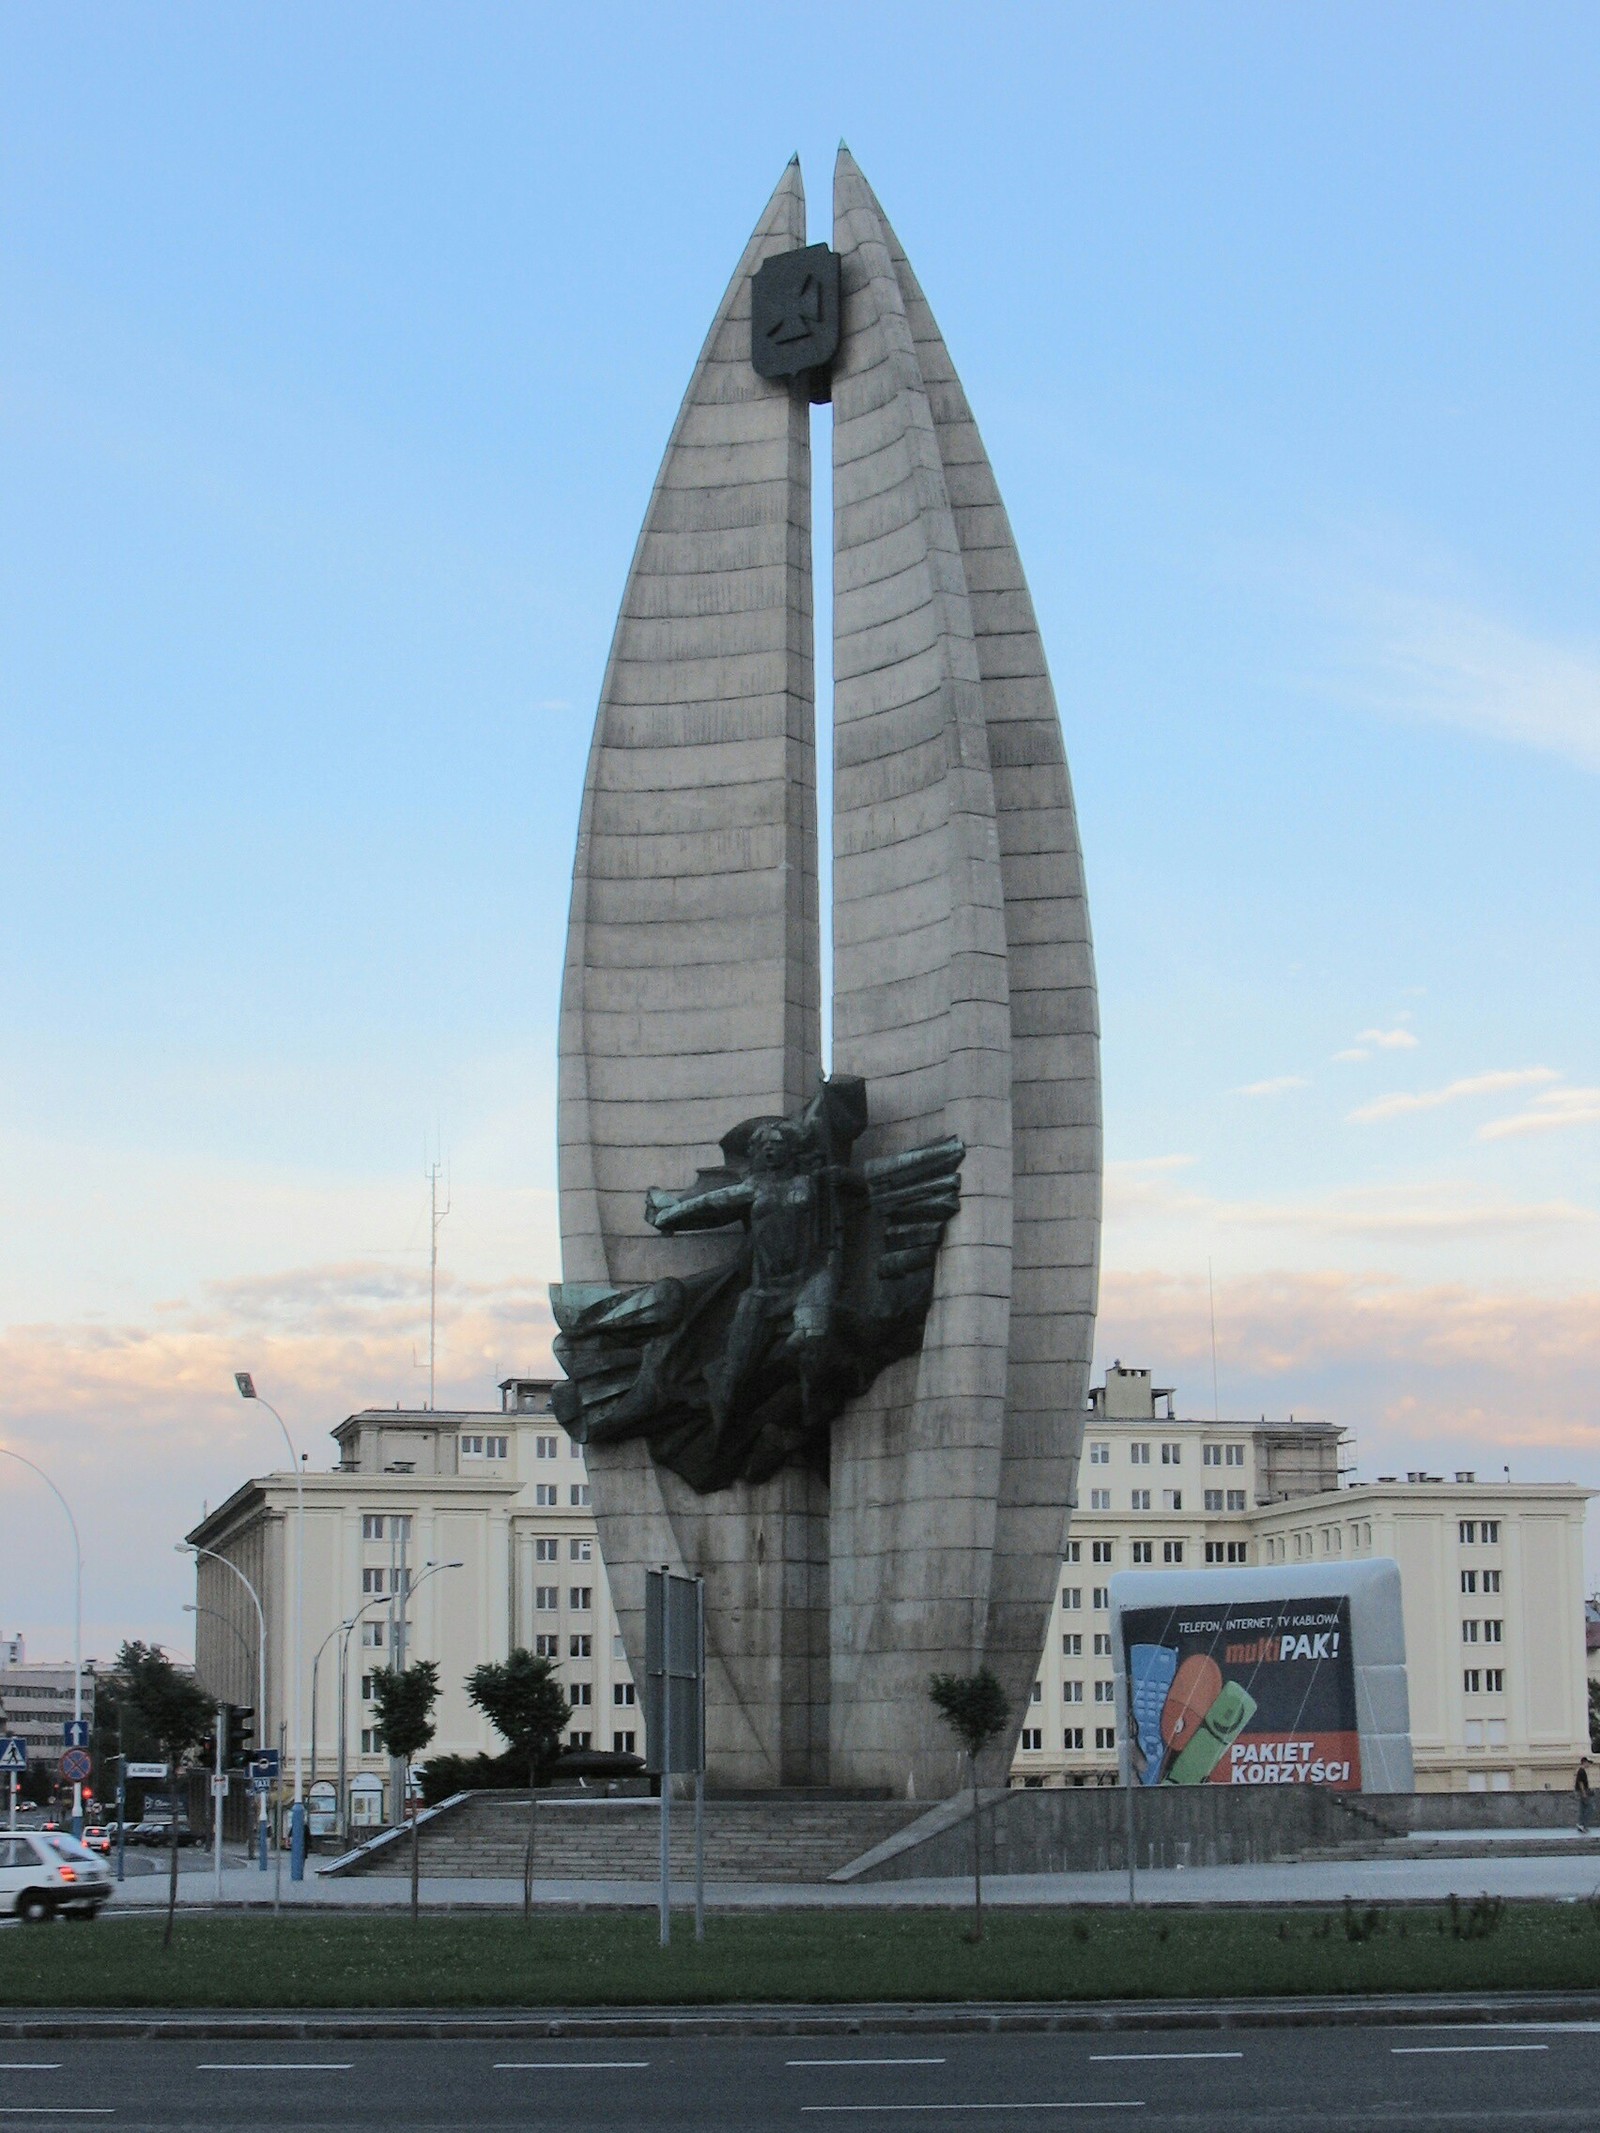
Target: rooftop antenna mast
<point>436,1215</point>
<point>1211,1297</point>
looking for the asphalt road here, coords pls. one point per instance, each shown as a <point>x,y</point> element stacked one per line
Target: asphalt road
<point>1220,2081</point>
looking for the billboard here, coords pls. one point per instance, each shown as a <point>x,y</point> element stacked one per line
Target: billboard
<point>1245,1692</point>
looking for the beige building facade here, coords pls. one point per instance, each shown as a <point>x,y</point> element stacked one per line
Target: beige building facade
<point>1491,1576</point>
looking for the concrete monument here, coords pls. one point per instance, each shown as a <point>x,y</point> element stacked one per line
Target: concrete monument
<point>841,1374</point>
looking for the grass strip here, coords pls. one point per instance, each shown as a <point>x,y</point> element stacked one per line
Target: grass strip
<point>820,1957</point>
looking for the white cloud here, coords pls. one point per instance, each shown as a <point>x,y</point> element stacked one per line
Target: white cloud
<point>1397,1039</point>
<point>1549,1113</point>
<point>1403,1102</point>
<point>1446,663</point>
<point>1279,1086</point>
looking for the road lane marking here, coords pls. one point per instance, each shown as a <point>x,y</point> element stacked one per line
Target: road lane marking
<point>1419,2051</point>
<point>865,2062</point>
<point>564,2066</point>
<point>1075,2106</point>
<point>57,2110</point>
<point>275,2066</point>
<point>1126,2058</point>
<point>30,2066</point>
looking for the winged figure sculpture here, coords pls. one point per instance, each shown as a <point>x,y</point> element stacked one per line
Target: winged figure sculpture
<point>736,1370</point>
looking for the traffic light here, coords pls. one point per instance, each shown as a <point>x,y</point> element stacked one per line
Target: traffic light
<point>241,1735</point>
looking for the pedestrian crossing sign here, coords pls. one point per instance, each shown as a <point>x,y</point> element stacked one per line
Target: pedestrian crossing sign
<point>13,1753</point>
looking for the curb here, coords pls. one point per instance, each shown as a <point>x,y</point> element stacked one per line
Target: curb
<point>683,2023</point>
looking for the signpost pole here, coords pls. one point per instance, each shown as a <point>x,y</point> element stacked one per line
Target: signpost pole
<point>1133,1896</point>
<point>13,1800</point>
<point>122,1810</point>
<point>700,1758</point>
<point>218,1796</point>
<point>666,1758</point>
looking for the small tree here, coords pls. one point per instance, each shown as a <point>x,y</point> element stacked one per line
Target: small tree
<point>405,1697</point>
<point>524,1702</point>
<point>974,1707</point>
<point>177,1714</point>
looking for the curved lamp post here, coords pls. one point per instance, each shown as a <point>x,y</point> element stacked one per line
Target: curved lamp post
<point>189,1548</point>
<point>377,1600</point>
<point>297,1824</point>
<point>77,1614</point>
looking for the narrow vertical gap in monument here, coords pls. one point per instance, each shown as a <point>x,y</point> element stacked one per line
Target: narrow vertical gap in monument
<point>822,668</point>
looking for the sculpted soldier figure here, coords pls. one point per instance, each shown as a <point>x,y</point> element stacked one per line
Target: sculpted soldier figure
<point>734,1372</point>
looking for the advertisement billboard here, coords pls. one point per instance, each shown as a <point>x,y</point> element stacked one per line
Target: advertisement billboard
<point>1246,1692</point>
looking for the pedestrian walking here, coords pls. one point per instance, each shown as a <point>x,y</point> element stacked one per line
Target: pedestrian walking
<point>1580,1786</point>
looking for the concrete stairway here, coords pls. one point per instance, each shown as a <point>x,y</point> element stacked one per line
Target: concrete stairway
<point>803,1839</point>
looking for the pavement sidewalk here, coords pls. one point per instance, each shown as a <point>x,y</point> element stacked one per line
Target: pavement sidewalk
<point>1414,1879</point>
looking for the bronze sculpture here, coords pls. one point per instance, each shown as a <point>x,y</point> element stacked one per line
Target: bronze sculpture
<point>736,1371</point>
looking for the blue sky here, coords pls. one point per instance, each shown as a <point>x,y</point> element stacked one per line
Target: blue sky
<point>339,348</point>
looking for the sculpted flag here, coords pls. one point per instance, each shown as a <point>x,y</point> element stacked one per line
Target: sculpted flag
<point>1262,1693</point>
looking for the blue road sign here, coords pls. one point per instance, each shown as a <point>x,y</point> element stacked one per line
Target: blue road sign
<point>264,1764</point>
<point>13,1753</point>
<point>260,1786</point>
<point>75,1733</point>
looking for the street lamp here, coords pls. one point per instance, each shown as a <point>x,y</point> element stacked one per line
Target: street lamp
<point>431,1570</point>
<point>218,1781</point>
<point>77,1622</point>
<point>297,1824</point>
<point>189,1548</point>
<point>321,1648</point>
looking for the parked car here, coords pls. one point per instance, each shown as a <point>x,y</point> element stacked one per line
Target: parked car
<point>160,1833</point>
<point>47,1876</point>
<point>97,1838</point>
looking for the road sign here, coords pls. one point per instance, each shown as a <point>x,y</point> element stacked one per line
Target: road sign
<point>13,1753</point>
<point>76,1765</point>
<point>264,1763</point>
<point>260,1786</point>
<point>75,1732</point>
<point>146,1770</point>
<point>219,1787</point>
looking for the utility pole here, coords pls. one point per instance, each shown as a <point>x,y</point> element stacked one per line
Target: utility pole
<point>218,1795</point>
<point>436,1215</point>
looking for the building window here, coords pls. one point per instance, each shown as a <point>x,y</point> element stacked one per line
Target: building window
<point>546,1599</point>
<point>1105,1736</point>
<point>580,1495</point>
<point>1469,1632</point>
<point>1072,1692</point>
<point>580,1646</point>
<point>580,1693</point>
<point>1144,1551</point>
<point>580,1599</point>
<point>1072,1598</point>
<point>546,1548</point>
<point>1172,1455</point>
<point>472,1447</point>
<point>367,1681</point>
<point>1234,1454</point>
<point>372,1525</point>
<point>1172,1499</point>
<point>1032,1739</point>
<point>1139,1454</point>
<point>580,1551</point>
<point>372,1741</point>
<point>1074,1552</point>
<point>1467,1532</point>
<point>1489,1532</point>
<point>1494,1633</point>
<point>545,1447</point>
<point>622,1692</point>
<point>1038,1693</point>
<point>1491,1581</point>
<point>622,1744</point>
<point>373,1581</point>
<point>1140,1500</point>
<point>1099,1455</point>
<point>1172,1551</point>
<point>1494,1681</point>
<point>483,1447</point>
<point>1072,1644</point>
<point>1227,1551</point>
<point>580,1740</point>
<point>1099,1499</point>
<point>1102,1644</point>
<point>1072,1737</point>
<point>1102,1598</point>
<point>1471,1681</point>
<point>1105,1692</point>
<point>546,1646</point>
<point>1213,1499</point>
<point>1100,1552</point>
<point>546,1495</point>
<point>372,1636</point>
<point>1236,1499</point>
<point>1211,1455</point>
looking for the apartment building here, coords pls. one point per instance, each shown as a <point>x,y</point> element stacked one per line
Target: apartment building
<point>1491,1582</point>
<point>36,1702</point>
<point>450,1536</point>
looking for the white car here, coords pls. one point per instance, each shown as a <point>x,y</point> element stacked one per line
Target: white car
<point>49,1874</point>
